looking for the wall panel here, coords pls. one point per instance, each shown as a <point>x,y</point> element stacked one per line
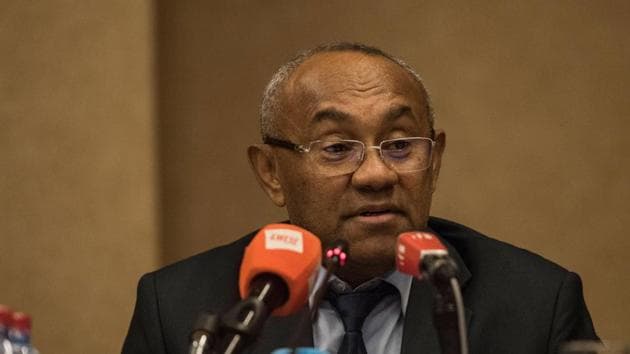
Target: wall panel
<point>77,167</point>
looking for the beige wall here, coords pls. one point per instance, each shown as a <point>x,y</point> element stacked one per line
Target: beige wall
<point>533,96</point>
<point>77,167</point>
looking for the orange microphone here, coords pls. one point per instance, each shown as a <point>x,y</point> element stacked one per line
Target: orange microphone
<point>281,255</point>
<point>279,265</point>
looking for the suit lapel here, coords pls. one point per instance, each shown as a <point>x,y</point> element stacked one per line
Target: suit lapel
<point>419,335</point>
<point>279,332</point>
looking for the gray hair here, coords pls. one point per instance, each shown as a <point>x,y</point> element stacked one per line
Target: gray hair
<point>270,106</point>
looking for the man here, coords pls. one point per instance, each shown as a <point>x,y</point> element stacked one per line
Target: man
<point>351,152</point>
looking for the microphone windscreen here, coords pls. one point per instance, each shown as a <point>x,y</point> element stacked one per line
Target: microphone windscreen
<point>412,247</point>
<point>287,251</point>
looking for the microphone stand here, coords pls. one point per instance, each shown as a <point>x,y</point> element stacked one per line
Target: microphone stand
<point>242,323</point>
<point>205,333</point>
<point>448,308</point>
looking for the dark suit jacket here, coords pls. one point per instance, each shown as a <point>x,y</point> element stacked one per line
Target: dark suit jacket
<point>516,301</point>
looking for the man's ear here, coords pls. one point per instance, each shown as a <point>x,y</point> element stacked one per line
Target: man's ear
<point>436,160</point>
<point>265,167</point>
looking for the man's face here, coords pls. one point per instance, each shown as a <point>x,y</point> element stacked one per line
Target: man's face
<point>348,95</point>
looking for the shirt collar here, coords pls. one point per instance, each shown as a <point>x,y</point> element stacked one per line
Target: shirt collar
<point>401,281</point>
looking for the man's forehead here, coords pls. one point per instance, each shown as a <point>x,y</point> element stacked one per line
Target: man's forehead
<point>337,69</point>
<point>331,75</point>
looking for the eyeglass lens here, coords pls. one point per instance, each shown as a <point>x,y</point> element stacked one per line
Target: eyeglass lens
<point>345,156</point>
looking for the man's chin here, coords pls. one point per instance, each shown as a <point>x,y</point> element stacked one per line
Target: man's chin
<point>369,259</point>
<point>373,249</point>
<point>356,232</point>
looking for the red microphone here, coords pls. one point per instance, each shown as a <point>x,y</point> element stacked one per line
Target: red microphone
<point>421,253</point>
<point>285,259</point>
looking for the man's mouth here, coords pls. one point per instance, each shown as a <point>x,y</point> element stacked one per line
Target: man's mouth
<point>374,213</point>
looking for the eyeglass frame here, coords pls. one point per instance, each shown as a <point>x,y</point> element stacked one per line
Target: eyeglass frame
<point>306,148</point>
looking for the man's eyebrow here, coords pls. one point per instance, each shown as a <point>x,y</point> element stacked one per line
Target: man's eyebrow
<point>336,115</point>
<point>330,114</point>
<point>396,112</point>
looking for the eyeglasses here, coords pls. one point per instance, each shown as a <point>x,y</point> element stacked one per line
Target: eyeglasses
<point>340,157</point>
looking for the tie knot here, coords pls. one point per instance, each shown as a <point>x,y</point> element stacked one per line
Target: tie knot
<point>355,306</point>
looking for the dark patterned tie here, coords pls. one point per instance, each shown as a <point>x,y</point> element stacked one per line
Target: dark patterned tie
<point>353,308</point>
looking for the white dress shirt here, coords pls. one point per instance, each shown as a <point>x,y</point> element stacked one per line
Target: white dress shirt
<point>383,327</point>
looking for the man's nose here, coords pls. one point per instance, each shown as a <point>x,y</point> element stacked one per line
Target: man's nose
<point>373,173</point>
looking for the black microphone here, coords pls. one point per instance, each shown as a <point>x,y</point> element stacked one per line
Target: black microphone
<point>335,257</point>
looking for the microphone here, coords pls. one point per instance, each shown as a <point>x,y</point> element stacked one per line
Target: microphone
<point>334,257</point>
<point>286,253</point>
<point>276,273</point>
<point>422,254</point>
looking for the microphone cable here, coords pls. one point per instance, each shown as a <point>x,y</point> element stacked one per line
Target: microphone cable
<point>461,318</point>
